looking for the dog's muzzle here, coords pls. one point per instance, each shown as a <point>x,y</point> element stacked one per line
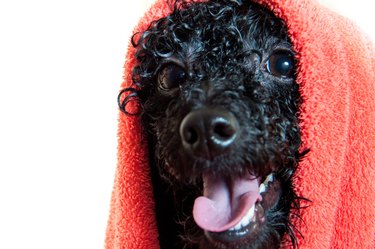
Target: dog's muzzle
<point>231,208</point>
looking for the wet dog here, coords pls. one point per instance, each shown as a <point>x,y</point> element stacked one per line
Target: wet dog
<point>219,105</point>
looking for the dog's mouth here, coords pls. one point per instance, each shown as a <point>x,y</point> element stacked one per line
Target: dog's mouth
<point>232,211</point>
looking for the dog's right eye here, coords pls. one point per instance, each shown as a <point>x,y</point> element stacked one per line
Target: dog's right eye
<point>171,76</point>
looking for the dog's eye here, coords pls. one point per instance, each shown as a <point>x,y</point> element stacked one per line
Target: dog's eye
<point>281,64</point>
<point>171,76</point>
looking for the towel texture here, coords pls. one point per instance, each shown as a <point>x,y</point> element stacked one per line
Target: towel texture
<point>337,78</point>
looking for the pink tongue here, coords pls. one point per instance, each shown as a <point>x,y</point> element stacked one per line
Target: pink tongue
<point>225,203</point>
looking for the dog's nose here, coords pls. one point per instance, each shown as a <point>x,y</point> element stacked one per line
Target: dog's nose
<point>208,132</point>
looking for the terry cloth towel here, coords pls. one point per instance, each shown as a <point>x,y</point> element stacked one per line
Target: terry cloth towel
<point>337,79</point>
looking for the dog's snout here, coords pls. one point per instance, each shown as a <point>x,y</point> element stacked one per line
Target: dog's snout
<point>208,132</point>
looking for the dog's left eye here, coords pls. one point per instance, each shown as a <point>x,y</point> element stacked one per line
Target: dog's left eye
<point>281,64</point>
<point>171,76</point>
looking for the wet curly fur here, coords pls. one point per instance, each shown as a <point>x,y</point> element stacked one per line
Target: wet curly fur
<point>223,48</point>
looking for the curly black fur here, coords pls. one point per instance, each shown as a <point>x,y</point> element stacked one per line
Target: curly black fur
<point>223,46</point>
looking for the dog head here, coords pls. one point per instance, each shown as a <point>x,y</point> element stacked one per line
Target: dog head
<point>216,82</point>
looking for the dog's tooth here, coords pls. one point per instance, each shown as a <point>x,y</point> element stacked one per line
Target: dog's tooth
<point>270,178</point>
<point>245,220</point>
<point>250,214</point>
<point>262,188</point>
<point>237,227</point>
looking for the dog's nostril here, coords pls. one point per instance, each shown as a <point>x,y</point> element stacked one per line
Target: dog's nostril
<point>223,129</point>
<point>191,136</point>
<point>192,130</point>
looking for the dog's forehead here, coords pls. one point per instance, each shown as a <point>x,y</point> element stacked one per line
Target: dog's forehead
<point>240,28</point>
<point>236,1</point>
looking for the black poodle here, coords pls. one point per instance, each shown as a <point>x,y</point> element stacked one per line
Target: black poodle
<point>216,82</point>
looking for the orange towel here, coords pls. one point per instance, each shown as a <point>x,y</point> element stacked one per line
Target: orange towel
<point>337,79</point>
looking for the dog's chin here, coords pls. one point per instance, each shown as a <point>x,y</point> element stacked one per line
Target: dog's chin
<point>234,214</point>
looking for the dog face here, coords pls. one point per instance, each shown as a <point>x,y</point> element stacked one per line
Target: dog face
<point>216,82</point>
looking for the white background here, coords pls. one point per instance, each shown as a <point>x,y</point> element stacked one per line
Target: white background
<point>60,71</point>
